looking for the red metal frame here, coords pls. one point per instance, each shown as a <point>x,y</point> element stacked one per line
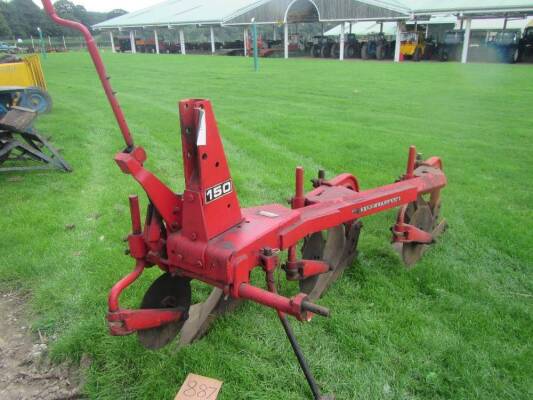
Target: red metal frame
<point>204,234</point>
<point>219,243</point>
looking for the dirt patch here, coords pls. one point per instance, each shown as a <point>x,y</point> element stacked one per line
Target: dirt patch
<point>25,372</point>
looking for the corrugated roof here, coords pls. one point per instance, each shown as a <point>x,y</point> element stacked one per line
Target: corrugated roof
<point>497,24</point>
<point>181,12</point>
<point>191,12</point>
<point>364,28</point>
<point>434,6</point>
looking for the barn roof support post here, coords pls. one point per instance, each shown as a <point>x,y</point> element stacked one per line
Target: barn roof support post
<point>182,43</point>
<point>466,42</point>
<point>351,28</point>
<point>341,42</point>
<point>286,39</point>
<point>255,46</point>
<point>132,42</point>
<point>213,46</point>
<point>156,39</point>
<point>398,41</point>
<point>32,42</point>
<point>245,39</point>
<point>64,43</point>
<point>112,40</point>
<point>275,35</point>
<point>505,23</point>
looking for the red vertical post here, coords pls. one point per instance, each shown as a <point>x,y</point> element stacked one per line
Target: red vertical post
<point>298,200</point>
<point>411,162</point>
<point>135,215</point>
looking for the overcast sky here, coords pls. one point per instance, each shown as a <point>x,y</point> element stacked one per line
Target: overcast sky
<point>108,5</point>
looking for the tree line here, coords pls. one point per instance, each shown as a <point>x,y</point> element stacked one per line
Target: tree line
<point>21,18</point>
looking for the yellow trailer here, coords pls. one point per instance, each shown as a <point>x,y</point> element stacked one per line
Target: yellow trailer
<point>25,72</point>
<point>22,83</point>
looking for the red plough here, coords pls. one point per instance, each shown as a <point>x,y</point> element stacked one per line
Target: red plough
<point>204,234</point>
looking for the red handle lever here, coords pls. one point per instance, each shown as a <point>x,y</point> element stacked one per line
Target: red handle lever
<point>100,68</point>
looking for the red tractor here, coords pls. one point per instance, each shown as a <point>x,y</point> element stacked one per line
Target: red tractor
<point>204,234</point>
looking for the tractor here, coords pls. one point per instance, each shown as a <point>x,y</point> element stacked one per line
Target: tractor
<point>352,47</point>
<point>322,46</point>
<point>413,45</point>
<point>377,46</point>
<point>452,46</point>
<point>504,47</point>
<point>526,45</point>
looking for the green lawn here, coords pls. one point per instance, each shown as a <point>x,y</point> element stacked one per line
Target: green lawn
<point>459,326</point>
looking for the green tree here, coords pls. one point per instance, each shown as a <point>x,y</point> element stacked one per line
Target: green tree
<point>24,17</point>
<point>5,30</point>
<point>115,13</point>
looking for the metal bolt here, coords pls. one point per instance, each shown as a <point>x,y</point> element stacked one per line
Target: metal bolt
<point>194,236</point>
<point>267,251</point>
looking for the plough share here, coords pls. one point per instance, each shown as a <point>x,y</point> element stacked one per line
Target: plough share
<point>204,234</point>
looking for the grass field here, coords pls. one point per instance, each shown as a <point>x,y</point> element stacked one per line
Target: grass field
<point>459,326</point>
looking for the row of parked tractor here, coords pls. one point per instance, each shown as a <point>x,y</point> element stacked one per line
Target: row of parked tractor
<point>374,46</point>
<point>506,46</point>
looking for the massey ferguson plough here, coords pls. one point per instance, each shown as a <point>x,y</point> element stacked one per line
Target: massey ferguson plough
<point>204,234</point>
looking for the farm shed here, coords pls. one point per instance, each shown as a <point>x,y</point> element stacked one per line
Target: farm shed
<point>180,13</point>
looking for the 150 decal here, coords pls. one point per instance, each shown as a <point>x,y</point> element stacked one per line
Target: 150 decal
<point>216,192</point>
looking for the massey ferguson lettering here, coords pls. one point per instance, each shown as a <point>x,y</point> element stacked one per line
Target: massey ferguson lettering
<point>216,192</point>
<point>379,204</point>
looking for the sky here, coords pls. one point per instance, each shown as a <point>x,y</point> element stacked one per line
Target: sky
<point>108,5</point>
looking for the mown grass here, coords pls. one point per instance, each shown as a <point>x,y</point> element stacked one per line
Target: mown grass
<point>458,326</point>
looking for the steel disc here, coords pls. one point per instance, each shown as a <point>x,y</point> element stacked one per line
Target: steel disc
<point>167,291</point>
<point>338,250</point>
<point>313,249</point>
<point>423,219</point>
<point>202,315</point>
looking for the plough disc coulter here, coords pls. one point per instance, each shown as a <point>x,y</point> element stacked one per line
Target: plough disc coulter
<point>203,233</point>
